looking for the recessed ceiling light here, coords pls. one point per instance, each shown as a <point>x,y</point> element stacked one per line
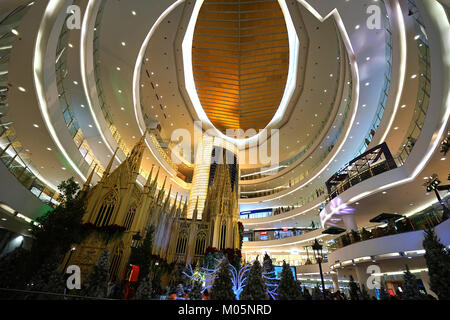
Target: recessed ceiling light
<point>3,219</point>
<point>367,84</point>
<point>119,91</point>
<point>90,126</point>
<point>122,108</point>
<point>82,105</point>
<point>443,159</point>
<point>22,89</point>
<point>357,27</point>
<point>100,142</point>
<point>403,106</point>
<point>126,124</point>
<point>118,68</point>
<point>384,192</point>
<point>49,149</point>
<point>35,125</point>
<point>75,82</point>
<point>123,44</point>
<point>416,37</point>
<point>414,76</point>
<point>15,32</point>
<point>396,128</point>
<point>70,45</point>
<point>133,13</point>
<point>367,58</point>
<point>133,137</point>
<point>63,168</point>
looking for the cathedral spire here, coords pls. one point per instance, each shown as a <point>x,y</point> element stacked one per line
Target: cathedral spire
<point>88,182</point>
<point>149,180</point>
<point>195,212</point>
<point>108,168</point>
<point>134,159</point>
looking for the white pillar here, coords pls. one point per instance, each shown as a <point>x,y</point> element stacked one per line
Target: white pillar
<point>334,277</point>
<point>349,221</point>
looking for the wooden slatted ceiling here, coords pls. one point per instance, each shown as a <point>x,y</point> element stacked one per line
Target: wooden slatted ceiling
<point>240,56</point>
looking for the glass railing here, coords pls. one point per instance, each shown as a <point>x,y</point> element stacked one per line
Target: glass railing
<point>65,101</point>
<point>339,124</point>
<point>13,154</point>
<point>387,84</point>
<point>423,95</point>
<point>430,218</point>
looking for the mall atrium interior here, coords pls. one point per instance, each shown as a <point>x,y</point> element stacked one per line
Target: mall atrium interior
<point>314,132</point>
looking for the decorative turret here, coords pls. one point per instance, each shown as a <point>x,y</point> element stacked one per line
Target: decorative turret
<point>134,159</point>
<point>88,182</point>
<point>109,166</point>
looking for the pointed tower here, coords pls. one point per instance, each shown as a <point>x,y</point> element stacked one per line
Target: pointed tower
<point>88,182</point>
<point>109,166</point>
<point>134,159</point>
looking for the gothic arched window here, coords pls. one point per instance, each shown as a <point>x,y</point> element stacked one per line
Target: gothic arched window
<point>200,244</point>
<point>128,222</point>
<point>223,235</point>
<point>107,209</point>
<point>181,243</point>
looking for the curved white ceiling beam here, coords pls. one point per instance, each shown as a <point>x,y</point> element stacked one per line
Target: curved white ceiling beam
<point>191,89</point>
<point>136,87</point>
<point>402,74</point>
<point>356,90</point>
<point>38,77</point>
<point>83,64</point>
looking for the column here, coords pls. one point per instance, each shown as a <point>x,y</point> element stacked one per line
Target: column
<point>349,221</point>
<point>334,277</point>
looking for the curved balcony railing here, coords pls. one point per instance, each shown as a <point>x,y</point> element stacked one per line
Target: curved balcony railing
<point>387,84</point>
<point>65,101</point>
<point>430,218</point>
<point>317,162</point>
<point>13,154</point>
<point>423,95</point>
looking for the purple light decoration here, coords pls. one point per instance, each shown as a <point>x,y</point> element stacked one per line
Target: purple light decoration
<point>340,208</point>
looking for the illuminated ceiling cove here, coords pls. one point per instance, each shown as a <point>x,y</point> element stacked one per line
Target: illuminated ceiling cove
<point>240,55</point>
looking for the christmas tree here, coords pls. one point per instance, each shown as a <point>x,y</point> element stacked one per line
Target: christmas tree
<point>254,288</point>
<point>13,277</point>
<point>222,288</point>
<point>411,290</point>
<point>288,289</point>
<point>438,263</point>
<point>144,290</point>
<point>353,289</point>
<point>96,284</point>
<point>269,276</point>
<point>196,291</point>
<point>47,279</point>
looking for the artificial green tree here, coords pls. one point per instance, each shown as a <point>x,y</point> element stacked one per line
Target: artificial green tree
<point>254,288</point>
<point>438,263</point>
<point>411,290</point>
<point>144,290</point>
<point>96,284</point>
<point>288,288</point>
<point>222,288</point>
<point>196,291</point>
